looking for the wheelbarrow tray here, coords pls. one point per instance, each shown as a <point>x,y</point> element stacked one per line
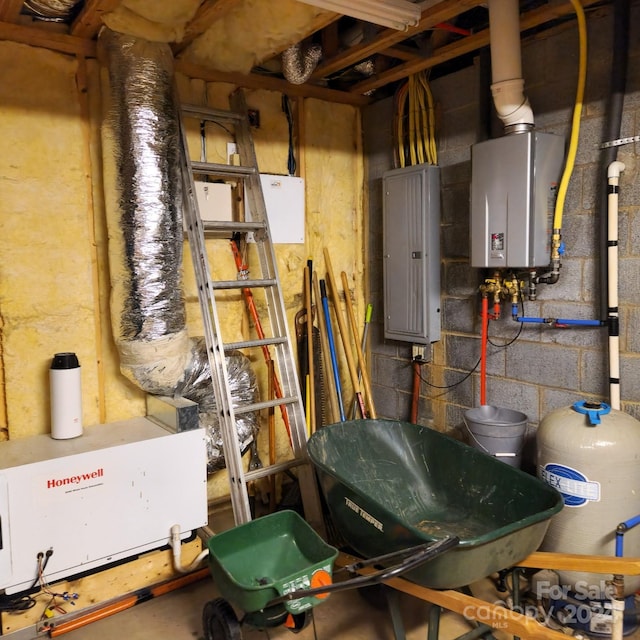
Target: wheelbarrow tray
<point>255,563</point>
<point>391,485</point>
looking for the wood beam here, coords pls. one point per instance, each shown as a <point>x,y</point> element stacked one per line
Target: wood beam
<point>89,20</point>
<point>10,10</point>
<point>402,53</point>
<point>39,37</point>
<point>208,12</point>
<point>529,20</point>
<point>441,12</point>
<point>257,81</point>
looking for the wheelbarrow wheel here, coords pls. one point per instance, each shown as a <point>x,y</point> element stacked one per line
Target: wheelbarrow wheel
<point>219,621</point>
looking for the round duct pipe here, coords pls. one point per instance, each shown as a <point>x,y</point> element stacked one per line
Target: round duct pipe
<point>51,10</point>
<point>143,196</point>
<point>297,66</point>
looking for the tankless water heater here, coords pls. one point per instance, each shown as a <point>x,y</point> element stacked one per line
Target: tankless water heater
<point>109,494</point>
<point>514,182</point>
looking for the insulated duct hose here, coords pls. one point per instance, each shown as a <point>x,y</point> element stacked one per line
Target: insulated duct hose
<point>143,197</point>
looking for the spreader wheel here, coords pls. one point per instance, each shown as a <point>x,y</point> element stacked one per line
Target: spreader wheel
<point>219,621</point>
<point>296,622</point>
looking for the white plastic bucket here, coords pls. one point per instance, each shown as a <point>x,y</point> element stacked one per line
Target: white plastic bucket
<point>497,431</point>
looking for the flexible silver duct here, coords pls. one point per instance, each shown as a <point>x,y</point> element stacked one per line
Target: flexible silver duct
<point>244,390</point>
<point>51,10</point>
<point>141,166</point>
<point>297,66</point>
<point>141,156</point>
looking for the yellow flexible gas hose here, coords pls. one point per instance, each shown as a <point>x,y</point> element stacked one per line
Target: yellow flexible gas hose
<point>575,130</point>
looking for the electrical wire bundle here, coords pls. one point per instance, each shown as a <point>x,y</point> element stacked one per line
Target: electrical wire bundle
<point>414,123</point>
<point>24,602</point>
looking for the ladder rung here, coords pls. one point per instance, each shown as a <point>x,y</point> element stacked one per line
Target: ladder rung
<point>231,226</point>
<point>206,113</point>
<point>247,344</point>
<point>271,469</point>
<point>243,284</point>
<point>266,404</point>
<point>222,170</point>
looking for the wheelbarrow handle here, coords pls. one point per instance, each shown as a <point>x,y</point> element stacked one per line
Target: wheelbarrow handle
<point>419,555</point>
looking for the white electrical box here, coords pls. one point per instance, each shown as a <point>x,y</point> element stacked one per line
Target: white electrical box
<point>411,253</point>
<point>284,201</point>
<point>214,201</point>
<point>109,494</point>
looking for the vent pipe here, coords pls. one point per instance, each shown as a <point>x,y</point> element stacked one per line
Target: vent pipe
<point>143,197</point>
<point>507,85</point>
<point>297,66</point>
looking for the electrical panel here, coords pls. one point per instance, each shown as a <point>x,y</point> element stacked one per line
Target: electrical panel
<point>514,183</point>
<point>411,254</point>
<point>110,494</point>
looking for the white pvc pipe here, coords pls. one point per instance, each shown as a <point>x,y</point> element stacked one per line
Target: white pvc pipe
<point>507,86</point>
<point>613,174</point>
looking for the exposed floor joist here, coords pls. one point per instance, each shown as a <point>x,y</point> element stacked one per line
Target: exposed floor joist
<point>529,20</point>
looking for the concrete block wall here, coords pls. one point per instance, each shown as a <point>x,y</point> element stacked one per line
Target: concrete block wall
<point>544,368</point>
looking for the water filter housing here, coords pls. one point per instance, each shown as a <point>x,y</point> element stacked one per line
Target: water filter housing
<point>514,182</point>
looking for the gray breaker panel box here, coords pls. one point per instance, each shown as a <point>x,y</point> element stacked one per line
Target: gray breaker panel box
<point>411,250</point>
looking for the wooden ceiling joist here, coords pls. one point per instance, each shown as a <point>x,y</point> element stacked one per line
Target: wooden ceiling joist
<point>10,10</point>
<point>441,12</point>
<point>529,20</point>
<point>257,81</point>
<point>48,39</point>
<point>89,20</point>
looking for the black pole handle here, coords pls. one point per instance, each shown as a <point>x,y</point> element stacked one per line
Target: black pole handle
<point>419,555</point>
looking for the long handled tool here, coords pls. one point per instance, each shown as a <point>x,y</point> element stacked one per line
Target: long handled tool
<point>332,348</point>
<point>365,333</point>
<point>243,272</point>
<point>311,396</point>
<point>344,334</point>
<point>361,361</point>
<point>334,411</point>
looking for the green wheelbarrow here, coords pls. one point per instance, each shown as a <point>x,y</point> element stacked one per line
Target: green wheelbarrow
<point>275,569</point>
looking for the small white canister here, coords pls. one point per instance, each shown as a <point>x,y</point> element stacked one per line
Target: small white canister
<point>66,396</point>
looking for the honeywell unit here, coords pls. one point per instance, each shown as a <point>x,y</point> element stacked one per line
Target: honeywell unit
<point>110,494</point>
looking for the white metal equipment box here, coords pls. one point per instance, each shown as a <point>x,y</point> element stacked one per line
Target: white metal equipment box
<point>107,495</point>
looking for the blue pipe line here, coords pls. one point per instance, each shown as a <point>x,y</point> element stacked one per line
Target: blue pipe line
<point>621,529</point>
<point>559,321</point>
<point>332,349</point>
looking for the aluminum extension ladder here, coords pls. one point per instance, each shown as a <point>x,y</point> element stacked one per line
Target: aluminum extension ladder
<point>289,397</point>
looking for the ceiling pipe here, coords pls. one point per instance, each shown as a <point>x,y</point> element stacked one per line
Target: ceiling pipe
<point>297,66</point>
<point>51,10</point>
<point>507,85</point>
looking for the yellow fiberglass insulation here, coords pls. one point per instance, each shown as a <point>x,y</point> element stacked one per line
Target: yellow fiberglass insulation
<point>152,20</point>
<point>252,32</point>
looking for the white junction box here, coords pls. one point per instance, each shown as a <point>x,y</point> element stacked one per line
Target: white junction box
<point>214,201</point>
<point>107,495</point>
<point>284,200</point>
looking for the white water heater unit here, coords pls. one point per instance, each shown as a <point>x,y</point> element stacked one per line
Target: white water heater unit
<point>591,454</point>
